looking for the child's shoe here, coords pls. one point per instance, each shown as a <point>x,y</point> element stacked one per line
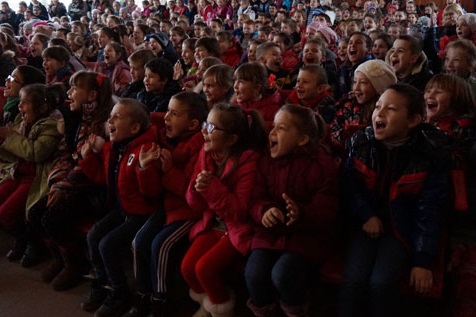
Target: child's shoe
<point>225,309</point>
<point>295,310</point>
<point>55,266</point>
<point>157,307</point>
<point>95,298</point>
<point>115,304</point>
<point>199,297</point>
<point>270,310</point>
<point>140,307</point>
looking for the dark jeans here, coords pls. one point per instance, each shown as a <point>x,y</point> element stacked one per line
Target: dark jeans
<point>271,273</point>
<point>106,241</point>
<point>153,247</point>
<point>373,271</point>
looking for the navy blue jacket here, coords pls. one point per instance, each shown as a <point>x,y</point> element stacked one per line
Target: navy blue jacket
<point>406,187</point>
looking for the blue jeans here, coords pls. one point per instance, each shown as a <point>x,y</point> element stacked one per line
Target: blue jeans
<point>153,247</point>
<point>271,273</point>
<point>106,241</point>
<point>374,269</point>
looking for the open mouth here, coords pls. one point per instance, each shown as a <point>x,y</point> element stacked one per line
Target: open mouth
<point>380,125</point>
<point>273,145</point>
<point>395,62</point>
<point>112,130</point>
<point>431,105</point>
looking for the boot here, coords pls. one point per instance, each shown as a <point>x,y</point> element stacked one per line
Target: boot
<point>157,307</point>
<point>295,310</point>
<point>115,304</point>
<point>199,297</point>
<point>34,254</point>
<point>225,309</point>
<point>75,267</point>
<point>270,310</point>
<point>56,264</point>
<point>140,306</point>
<point>95,298</point>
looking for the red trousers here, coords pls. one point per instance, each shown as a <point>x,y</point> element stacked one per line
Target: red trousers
<point>207,263</point>
<point>13,195</point>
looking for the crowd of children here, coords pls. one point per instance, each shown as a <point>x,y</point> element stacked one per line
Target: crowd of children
<point>266,138</point>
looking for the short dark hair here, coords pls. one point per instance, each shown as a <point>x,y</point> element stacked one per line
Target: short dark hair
<point>162,67</point>
<point>416,46</point>
<point>413,96</point>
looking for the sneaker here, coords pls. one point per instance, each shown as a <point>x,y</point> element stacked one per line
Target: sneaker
<point>95,298</point>
<point>115,304</point>
<point>140,307</point>
<point>17,251</point>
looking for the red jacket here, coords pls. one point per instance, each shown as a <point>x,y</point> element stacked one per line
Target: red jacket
<point>267,106</point>
<point>176,180</point>
<point>232,56</point>
<point>290,60</point>
<point>311,181</point>
<point>138,189</point>
<point>227,197</point>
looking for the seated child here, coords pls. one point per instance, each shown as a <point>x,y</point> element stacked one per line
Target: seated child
<point>396,176</point>
<point>460,59</point>
<point>136,68</point>
<point>133,188</point>
<point>295,220</point>
<point>269,54</point>
<point>312,91</point>
<point>159,85</point>
<point>155,243</point>
<point>221,187</point>
<point>56,65</point>
<point>115,67</point>
<point>217,84</point>
<point>230,49</point>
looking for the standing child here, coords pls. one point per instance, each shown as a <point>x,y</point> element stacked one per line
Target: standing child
<point>221,185</point>
<point>156,242</point>
<point>133,194</point>
<point>396,176</point>
<point>27,149</point>
<point>71,197</point>
<point>295,214</point>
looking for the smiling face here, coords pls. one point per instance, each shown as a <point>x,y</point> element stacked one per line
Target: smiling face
<point>153,83</point>
<point>111,57</point>
<point>187,55</point>
<point>457,62</point>
<point>312,54</point>
<point>177,119</point>
<point>26,108</point>
<point>13,84</point>
<point>462,29</point>
<point>363,89</point>
<point>213,91</point>
<point>285,137</point>
<point>136,68</point>
<point>200,53</point>
<point>138,35</point>
<point>80,96</point>
<point>390,119</point>
<point>246,91</point>
<point>307,87</point>
<point>103,39</point>
<point>120,124</point>
<point>357,48</point>
<point>402,59</point>
<point>218,141</point>
<point>437,103</point>
<point>52,66</point>
<point>36,47</point>
<point>380,49</point>
<point>272,59</point>
<point>155,46</point>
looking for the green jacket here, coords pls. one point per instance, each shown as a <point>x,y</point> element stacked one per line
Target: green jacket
<point>39,147</point>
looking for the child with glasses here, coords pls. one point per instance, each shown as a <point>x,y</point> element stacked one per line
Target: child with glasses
<point>221,187</point>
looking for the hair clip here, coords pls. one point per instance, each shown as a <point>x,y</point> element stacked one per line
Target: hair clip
<point>100,79</point>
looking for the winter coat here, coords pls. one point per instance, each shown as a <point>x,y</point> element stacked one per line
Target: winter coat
<point>119,74</point>
<point>137,189</point>
<point>232,56</point>
<point>406,187</point>
<point>38,147</point>
<point>175,182</point>
<point>159,102</point>
<point>227,197</point>
<point>309,180</point>
<point>267,106</point>
<point>419,75</point>
<point>323,104</point>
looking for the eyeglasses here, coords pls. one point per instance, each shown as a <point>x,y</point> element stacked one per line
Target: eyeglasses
<point>210,127</point>
<point>12,79</point>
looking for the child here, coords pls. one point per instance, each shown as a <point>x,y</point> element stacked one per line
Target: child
<point>217,84</point>
<point>395,222</point>
<point>177,36</point>
<point>221,185</point>
<point>21,76</point>
<point>312,91</point>
<point>206,47</point>
<point>105,36</point>
<point>370,81</point>
<point>56,65</point>
<point>71,197</point>
<point>288,56</point>
<point>269,54</point>
<point>133,187</point>
<point>28,147</point>
<point>460,59</point>
<point>136,68</point>
<point>230,49</point>
<point>252,91</point>
<point>159,85</point>
<point>294,226</point>
<point>37,44</point>
<point>115,67</point>
<point>179,144</point>
<point>382,44</point>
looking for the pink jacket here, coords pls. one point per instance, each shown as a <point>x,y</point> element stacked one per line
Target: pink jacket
<point>227,197</point>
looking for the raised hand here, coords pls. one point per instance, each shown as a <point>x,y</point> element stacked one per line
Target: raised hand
<point>178,71</point>
<point>88,145</point>
<point>149,156</point>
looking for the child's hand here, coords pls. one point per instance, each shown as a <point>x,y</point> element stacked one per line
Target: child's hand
<point>5,132</point>
<point>421,279</point>
<point>166,159</point>
<point>189,85</point>
<point>272,216</point>
<point>292,208</point>
<point>147,157</point>
<point>88,145</point>
<point>202,181</point>
<point>373,227</point>
<point>178,71</point>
